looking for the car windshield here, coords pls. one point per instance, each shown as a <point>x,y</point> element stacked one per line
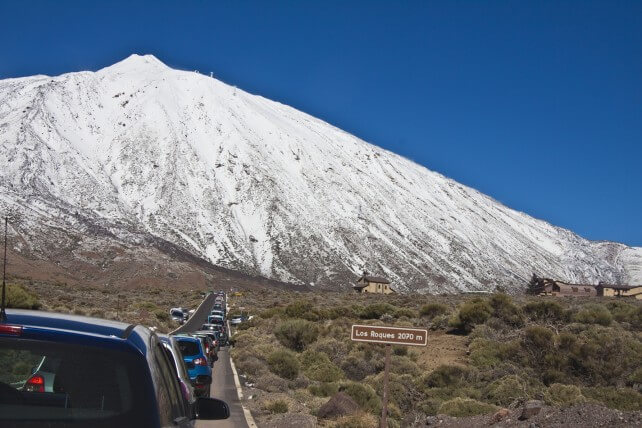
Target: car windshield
<point>41,381</point>
<point>188,348</point>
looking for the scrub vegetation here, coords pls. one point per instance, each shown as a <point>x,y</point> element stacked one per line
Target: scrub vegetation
<point>508,350</point>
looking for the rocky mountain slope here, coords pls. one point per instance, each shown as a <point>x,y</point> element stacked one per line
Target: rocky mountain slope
<point>138,152</point>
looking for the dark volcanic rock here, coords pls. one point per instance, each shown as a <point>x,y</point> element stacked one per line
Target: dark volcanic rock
<point>340,404</point>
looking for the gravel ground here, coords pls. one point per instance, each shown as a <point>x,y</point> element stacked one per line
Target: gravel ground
<point>578,416</point>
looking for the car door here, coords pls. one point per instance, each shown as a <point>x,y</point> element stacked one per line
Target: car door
<point>170,400</point>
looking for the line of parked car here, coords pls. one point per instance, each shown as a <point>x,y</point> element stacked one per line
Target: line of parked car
<point>60,370</point>
<point>200,348</point>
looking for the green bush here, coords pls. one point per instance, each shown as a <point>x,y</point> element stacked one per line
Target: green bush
<point>376,310</point>
<point>19,298</point>
<point>356,368</point>
<point>161,315</point>
<point>564,395</point>
<point>505,310</point>
<point>544,310</point>
<point>462,407</point>
<point>284,364</point>
<point>317,366</point>
<point>470,314</point>
<point>507,390</point>
<point>621,399</point>
<point>431,310</point>
<point>593,314</point>
<point>445,376</point>
<point>324,389</point>
<point>636,318</point>
<point>364,395</point>
<point>430,406</point>
<point>405,312</point>
<point>277,406</point>
<point>296,334</point>
<point>302,309</point>
<point>621,311</point>
<point>636,376</point>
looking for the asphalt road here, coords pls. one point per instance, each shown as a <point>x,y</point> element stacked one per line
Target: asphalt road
<point>223,386</point>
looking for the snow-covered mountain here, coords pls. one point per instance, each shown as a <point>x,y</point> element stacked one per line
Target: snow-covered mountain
<point>140,151</point>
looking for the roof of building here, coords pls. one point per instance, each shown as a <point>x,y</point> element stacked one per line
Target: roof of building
<point>377,279</point>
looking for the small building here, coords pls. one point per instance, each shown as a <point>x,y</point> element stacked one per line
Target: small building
<point>609,290</point>
<point>550,287</point>
<point>373,284</point>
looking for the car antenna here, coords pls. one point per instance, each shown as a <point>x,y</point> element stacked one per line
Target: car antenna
<point>3,314</point>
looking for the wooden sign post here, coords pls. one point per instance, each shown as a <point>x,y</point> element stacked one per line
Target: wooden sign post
<point>388,336</point>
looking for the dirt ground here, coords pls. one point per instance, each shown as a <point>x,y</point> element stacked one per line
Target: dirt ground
<point>442,349</point>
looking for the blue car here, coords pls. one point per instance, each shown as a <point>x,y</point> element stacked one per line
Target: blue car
<point>198,368</point>
<point>61,370</point>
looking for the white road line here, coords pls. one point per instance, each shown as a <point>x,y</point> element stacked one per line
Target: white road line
<point>239,390</point>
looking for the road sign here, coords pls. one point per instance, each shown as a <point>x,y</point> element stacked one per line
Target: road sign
<point>390,335</point>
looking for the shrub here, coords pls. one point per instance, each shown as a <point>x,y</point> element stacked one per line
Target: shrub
<point>324,389</point>
<point>377,310</point>
<point>296,334</point>
<point>358,420</point>
<point>302,309</point>
<point>622,399</point>
<point>364,395</point>
<point>636,376</point>
<point>430,406</point>
<point>621,311</point>
<point>431,310</point>
<point>593,314</point>
<point>161,315</point>
<point>277,406</point>
<point>404,365</point>
<point>505,310</point>
<point>537,341</point>
<point>470,314</point>
<point>18,297</point>
<point>462,407</point>
<point>357,368</point>
<point>445,376</point>
<point>564,395</point>
<point>284,363</point>
<point>508,389</point>
<point>405,312</point>
<point>636,318</point>
<point>544,311</point>
<point>317,366</point>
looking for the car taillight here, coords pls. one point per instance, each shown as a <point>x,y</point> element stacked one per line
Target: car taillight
<point>36,383</point>
<point>200,361</point>
<point>11,330</point>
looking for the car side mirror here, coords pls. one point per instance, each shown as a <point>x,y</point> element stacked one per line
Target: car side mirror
<point>211,409</point>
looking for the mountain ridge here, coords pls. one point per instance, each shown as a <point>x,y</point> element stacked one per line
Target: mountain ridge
<point>255,185</point>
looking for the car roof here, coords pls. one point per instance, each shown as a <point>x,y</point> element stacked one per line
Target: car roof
<point>96,328</point>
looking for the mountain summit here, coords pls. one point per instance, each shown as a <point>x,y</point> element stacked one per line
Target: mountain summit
<point>138,152</point>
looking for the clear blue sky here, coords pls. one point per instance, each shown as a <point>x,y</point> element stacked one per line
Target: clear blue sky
<point>537,104</point>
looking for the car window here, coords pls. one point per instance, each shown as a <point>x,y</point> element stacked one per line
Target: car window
<point>167,388</point>
<point>188,348</point>
<point>43,381</point>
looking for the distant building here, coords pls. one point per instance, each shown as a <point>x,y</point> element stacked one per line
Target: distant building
<point>550,287</point>
<point>609,290</point>
<point>373,284</point>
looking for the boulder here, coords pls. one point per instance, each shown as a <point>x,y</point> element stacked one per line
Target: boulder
<point>499,415</point>
<point>530,409</point>
<point>341,404</point>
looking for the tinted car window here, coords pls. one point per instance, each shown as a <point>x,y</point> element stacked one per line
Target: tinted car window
<point>167,381</point>
<point>84,385</point>
<point>188,348</point>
